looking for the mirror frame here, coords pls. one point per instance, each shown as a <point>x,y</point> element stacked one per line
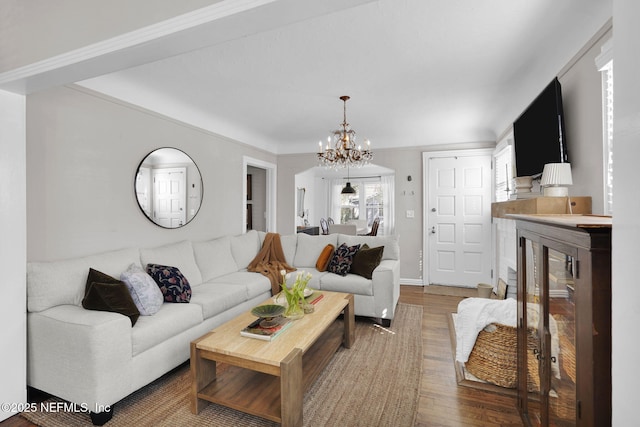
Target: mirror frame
<point>190,184</point>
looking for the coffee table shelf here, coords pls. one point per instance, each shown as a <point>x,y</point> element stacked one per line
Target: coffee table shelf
<point>268,379</point>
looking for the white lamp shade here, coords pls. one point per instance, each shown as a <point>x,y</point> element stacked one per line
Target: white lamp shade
<point>556,174</point>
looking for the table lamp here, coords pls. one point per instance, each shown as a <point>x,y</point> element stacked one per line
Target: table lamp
<point>555,178</point>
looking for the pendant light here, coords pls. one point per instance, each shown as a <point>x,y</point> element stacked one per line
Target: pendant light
<point>348,189</point>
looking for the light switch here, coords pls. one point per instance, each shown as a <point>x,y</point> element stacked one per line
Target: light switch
<point>410,213</point>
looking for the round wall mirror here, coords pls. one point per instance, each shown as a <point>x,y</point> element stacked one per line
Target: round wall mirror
<point>168,187</point>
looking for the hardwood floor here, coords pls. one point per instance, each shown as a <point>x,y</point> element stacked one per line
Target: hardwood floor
<point>442,401</point>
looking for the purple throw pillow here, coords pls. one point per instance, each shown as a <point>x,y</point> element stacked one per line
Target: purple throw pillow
<point>174,286</point>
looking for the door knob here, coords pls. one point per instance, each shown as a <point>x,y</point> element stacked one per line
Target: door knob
<point>433,209</point>
<point>433,230</point>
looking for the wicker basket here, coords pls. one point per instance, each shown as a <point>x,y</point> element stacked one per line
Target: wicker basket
<point>494,357</point>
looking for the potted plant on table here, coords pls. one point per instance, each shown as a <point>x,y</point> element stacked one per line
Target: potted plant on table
<point>294,294</point>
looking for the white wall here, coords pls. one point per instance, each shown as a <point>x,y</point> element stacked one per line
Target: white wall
<point>582,99</point>
<point>408,196</point>
<point>626,205</point>
<point>83,150</point>
<point>13,229</point>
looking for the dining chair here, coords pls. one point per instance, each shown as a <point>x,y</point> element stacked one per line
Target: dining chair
<point>374,227</point>
<point>324,226</point>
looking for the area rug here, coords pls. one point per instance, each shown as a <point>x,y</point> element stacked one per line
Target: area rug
<point>375,383</point>
<point>465,378</point>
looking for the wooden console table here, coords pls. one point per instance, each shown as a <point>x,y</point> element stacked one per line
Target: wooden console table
<point>314,231</point>
<point>504,229</point>
<point>542,205</point>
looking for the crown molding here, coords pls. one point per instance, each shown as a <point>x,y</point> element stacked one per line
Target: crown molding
<point>146,34</point>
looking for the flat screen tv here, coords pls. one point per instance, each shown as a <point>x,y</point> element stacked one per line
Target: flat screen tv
<point>539,134</point>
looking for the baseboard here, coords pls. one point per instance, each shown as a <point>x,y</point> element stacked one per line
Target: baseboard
<point>412,282</point>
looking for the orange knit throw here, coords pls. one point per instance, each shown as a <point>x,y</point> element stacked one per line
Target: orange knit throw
<point>270,260</point>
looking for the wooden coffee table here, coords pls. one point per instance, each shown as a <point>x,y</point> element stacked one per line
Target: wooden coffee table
<point>269,378</point>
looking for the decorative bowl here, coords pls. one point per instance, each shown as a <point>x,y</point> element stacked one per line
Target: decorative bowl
<point>267,311</point>
<point>279,298</point>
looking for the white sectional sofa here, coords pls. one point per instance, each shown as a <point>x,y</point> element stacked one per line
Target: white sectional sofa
<point>95,358</point>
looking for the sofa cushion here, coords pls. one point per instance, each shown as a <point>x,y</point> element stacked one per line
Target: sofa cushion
<point>215,298</point>
<point>309,248</point>
<point>146,295</point>
<point>214,258</point>
<point>351,283</point>
<point>366,260</point>
<point>106,293</point>
<point>174,286</point>
<point>390,243</point>
<point>254,284</point>
<point>325,257</point>
<point>166,324</point>
<point>342,259</point>
<point>245,247</point>
<point>63,282</point>
<point>179,255</point>
<point>289,246</point>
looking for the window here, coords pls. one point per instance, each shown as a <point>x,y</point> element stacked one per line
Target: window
<point>604,62</point>
<point>369,195</point>
<point>373,199</point>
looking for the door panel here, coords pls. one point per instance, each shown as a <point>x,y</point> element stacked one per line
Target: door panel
<point>459,220</point>
<point>169,197</point>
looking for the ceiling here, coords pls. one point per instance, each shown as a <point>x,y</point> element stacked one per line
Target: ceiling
<point>419,72</point>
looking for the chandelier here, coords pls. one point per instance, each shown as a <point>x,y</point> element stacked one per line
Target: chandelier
<point>341,150</point>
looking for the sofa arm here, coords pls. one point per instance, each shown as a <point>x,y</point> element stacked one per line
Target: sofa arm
<point>80,355</point>
<point>386,287</point>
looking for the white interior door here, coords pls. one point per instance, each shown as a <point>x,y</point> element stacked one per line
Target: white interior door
<point>458,228</point>
<point>170,197</point>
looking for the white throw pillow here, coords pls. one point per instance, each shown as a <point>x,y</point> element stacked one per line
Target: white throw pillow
<point>144,291</point>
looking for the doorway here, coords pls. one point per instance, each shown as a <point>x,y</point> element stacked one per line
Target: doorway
<point>457,237</point>
<point>256,198</point>
<point>259,195</point>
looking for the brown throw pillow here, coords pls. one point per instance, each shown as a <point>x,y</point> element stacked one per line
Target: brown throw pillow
<point>105,293</point>
<point>366,260</point>
<point>325,258</point>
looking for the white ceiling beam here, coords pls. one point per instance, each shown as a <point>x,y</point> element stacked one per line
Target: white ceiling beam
<point>218,23</point>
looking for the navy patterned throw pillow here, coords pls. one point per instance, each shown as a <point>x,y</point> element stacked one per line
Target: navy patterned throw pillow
<point>174,286</point>
<point>342,259</point>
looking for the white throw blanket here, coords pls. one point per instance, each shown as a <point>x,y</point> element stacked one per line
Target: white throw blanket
<point>475,314</point>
